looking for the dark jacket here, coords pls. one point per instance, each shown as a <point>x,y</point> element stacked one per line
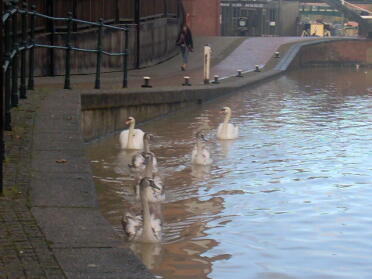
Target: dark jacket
<point>188,38</point>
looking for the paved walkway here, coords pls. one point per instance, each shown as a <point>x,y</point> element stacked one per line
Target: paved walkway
<point>24,251</point>
<point>228,55</point>
<point>34,178</point>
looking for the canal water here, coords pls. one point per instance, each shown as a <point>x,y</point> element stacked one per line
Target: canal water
<point>290,198</point>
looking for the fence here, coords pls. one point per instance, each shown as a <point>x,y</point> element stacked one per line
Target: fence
<point>18,24</point>
<point>112,11</point>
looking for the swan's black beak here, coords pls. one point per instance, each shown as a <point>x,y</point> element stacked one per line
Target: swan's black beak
<point>153,185</point>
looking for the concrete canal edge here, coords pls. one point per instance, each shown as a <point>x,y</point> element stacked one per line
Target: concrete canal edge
<point>63,196</point>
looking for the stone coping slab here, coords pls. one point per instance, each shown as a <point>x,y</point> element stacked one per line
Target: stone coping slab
<point>63,197</point>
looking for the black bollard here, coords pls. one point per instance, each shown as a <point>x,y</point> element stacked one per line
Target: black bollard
<point>187,81</point>
<point>216,81</point>
<point>257,69</point>
<point>239,73</point>
<point>146,82</point>
<point>276,54</point>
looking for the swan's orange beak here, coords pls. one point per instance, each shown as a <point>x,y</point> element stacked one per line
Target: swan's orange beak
<point>127,122</point>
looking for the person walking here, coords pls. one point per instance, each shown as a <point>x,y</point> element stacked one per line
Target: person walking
<point>184,41</point>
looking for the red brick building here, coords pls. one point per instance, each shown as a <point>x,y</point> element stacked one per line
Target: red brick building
<point>203,16</point>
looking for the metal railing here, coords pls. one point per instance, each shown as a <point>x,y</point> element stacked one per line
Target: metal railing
<point>18,41</point>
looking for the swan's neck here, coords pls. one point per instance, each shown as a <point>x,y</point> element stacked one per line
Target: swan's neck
<point>131,134</point>
<point>146,145</point>
<point>199,146</point>
<point>148,168</point>
<point>227,118</point>
<point>147,228</point>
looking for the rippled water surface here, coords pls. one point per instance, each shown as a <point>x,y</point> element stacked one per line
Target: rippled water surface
<point>290,198</point>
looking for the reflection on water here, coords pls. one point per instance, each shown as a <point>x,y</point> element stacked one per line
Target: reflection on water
<point>288,199</point>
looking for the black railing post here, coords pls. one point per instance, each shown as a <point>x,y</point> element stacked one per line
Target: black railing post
<point>117,12</point>
<point>31,58</point>
<point>22,88</point>
<point>14,96</point>
<point>137,20</point>
<point>74,14</point>
<point>68,52</point>
<point>8,76</point>
<point>125,58</point>
<point>99,55</point>
<point>8,92</point>
<point>2,116</point>
<point>52,31</point>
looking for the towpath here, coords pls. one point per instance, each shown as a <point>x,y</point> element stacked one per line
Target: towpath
<point>228,55</point>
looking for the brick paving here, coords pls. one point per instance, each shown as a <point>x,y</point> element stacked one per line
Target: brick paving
<point>24,251</point>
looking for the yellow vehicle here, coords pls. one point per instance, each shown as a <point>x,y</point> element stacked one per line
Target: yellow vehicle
<point>316,29</point>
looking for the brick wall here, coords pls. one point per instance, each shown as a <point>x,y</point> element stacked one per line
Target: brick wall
<point>336,53</point>
<point>203,16</point>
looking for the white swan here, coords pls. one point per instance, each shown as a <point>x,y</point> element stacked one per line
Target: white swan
<point>145,225</point>
<point>200,154</point>
<point>131,138</point>
<point>227,130</point>
<point>137,166</point>
<point>156,193</point>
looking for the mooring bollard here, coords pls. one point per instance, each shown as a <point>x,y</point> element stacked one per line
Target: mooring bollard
<point>239,73</point>
<point>257,69</point>
<point>207,63</point>
<point>276,54</point>
<point>187,81</point>
<point>146,82</point>
<point>216,81</point>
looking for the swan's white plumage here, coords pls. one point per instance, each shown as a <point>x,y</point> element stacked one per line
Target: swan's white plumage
<point>137,137</point>
<point>226,130</point>
<point>131,138</point>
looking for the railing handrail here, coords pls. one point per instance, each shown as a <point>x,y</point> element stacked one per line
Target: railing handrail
<point>14,10</point>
